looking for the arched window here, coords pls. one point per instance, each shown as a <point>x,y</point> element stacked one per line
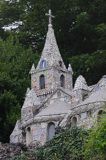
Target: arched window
<point>50,131</point>
<point>60,63</point>
<point>73,121</point>
<point>42,81</point>
<point>23,136</point>
<point>43,64</point>
<point>100,113</point>
<point>62,81</point>
<point>29,129</point>
<point>28,136</point>
<point>84,96</point>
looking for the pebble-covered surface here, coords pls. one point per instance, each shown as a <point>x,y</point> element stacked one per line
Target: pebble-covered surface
<point>7,151</point>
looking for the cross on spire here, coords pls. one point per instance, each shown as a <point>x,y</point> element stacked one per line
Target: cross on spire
<point>50,16</point>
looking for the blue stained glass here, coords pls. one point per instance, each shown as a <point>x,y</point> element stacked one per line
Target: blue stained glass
<point>43,64</point>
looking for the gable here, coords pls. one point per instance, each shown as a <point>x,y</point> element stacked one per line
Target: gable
<point>60,95</point>
<point>57,107</point>
<point>58,102</point>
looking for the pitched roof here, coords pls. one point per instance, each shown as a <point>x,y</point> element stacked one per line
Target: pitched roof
<point>16,130</point>
<point>97,96</point>
<point>55,108</point>
<point>31,99</point>
<point>100,84</point>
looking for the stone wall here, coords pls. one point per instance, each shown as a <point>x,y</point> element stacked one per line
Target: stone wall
<point>52,80</point>
<point>37,133</point>
<point>86,115</point>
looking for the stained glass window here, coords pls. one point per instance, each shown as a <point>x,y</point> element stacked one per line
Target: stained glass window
<point>43,64</point>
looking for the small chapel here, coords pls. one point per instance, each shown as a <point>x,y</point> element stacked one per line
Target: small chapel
<point>53,101</point>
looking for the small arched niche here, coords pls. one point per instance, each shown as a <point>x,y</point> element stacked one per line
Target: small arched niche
<point>60,63</point>
<point>24,136</point>
<point>73,121</point>
<point>28,136</point>
<point>62,80</point>
<point>42,82</point>
<point>99,115</point>
<point>50,131</point>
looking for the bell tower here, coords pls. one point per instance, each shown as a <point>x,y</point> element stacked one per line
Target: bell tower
<point>51,72</point>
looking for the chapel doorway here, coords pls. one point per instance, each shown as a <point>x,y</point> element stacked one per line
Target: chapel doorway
<point>100,114</point>
<point>74,122</point>
<point>28,136</point>
<point>50,131</point>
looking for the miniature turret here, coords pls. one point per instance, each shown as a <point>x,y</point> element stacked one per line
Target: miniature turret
<point>30,106</point>
<point>81,89</point>
<point>80,83</point>
<point>33,77</point>
<point>70,77</point>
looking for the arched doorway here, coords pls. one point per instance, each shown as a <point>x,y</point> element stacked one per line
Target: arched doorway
<point>74,122</point>
<point>99,115</point>
<point>24,136</point>
<point>50,131</point>
<point>28,136</point>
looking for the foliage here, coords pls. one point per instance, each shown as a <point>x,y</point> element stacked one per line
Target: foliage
<point>73,144</point>
<point>91,66</point>
<point>9,111</point>
<point>80,27</point>
<point>95,147</point>
<point>67,145</point>
<point>15,62</point>
<point>79,24</point>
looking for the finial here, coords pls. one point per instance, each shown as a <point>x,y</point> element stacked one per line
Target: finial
<point>32,69</point>
<point>70,68</point>
<point>50,17</point>
<point>28,89</point>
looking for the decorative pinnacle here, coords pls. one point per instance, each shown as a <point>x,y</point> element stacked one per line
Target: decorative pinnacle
<point>50,17</point>
<point>70,68</point>
<point>32,69</point>
<point>28,89</point>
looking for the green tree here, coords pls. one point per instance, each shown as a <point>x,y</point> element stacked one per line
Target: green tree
<point>95,147</point>
<point>9,13</point>
<point>15,62</point>
<point>9,112</point>
<point>76,23</point>
<point>91,66</point>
